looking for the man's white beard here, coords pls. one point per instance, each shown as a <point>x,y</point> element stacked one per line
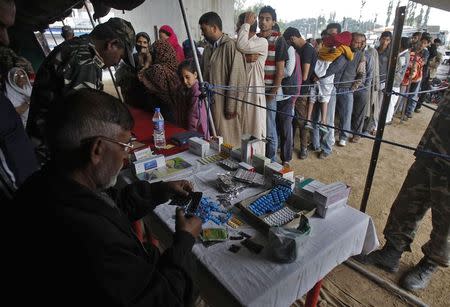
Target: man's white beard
<point>105,173</point>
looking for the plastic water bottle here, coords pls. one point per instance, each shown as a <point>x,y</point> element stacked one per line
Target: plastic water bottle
<point>158,129</point>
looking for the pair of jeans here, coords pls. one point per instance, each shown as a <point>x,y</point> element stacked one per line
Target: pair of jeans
<point>360,105</point>
<point>344,108</point>
<point>284,123</point>
<point>271,132</point>
<point>327,142</point>
<point>412,98</point>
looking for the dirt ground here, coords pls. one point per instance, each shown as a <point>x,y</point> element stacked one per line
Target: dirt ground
<point>344,286</point>
<point>350,164</point>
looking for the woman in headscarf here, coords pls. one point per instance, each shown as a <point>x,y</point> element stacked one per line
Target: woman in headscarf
<point>162,81</point>
<point>142,57</point>
<point>18,90</point>
<point>167,33</point>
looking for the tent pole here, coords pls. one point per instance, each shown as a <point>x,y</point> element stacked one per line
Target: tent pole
<point>197,65</point>
<point>109,68</point>
<point>54,39</point>
<point>398,27</point>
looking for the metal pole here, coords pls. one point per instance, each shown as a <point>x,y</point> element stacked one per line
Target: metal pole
<point>197,65</point>
<point>109,68</point>
<point>385,284</point>
<point>399,21</point>
<point>54,39</point>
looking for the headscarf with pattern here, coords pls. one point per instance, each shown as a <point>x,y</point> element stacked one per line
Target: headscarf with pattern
<point>161,78</point>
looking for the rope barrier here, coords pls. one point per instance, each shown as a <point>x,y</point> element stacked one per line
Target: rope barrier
<point>416,150</point>
<point>228,88</point>
<point>417,101</point>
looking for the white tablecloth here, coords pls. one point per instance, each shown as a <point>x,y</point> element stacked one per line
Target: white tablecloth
<point>256,281</point>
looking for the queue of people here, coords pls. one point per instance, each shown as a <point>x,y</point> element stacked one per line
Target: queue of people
<point>259,81</point>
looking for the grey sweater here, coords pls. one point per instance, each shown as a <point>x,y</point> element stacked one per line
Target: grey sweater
<point>345,77</point>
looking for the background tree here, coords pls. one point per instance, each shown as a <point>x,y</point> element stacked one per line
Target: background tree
<point>332,17</point>
<point>425,18</point>
<point>389,12</point>
<point>363,3</point>
<point>419,18</point>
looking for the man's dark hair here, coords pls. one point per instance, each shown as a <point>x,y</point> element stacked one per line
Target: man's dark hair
<point>323,33</point>
<point>386,34</point>
<point>417,34</point>
<point>241,20</point>
<point>426,37</point>
<point>437,41</point>
<point>405,43</point>
<point>270,10</point>
<point>334,25</point>
<point>357,34</point>
<point>84,114</point>
<point>289,32</point>
<point>211,19</point>
<point>276,27</point>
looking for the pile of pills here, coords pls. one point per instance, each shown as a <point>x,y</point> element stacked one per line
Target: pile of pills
<point>271,202</point>
<point>280,217</point>
<point>209,210</point>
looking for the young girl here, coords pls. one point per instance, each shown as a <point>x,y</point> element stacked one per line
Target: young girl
<point>197,115</point>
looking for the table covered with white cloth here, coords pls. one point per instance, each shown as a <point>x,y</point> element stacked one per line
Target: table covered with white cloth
<point>254,280</point>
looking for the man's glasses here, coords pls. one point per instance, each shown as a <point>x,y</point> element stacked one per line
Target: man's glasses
<point>127,147</point>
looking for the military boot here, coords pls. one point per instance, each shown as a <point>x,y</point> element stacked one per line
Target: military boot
<point>387,258</point>
<point>419,276</point>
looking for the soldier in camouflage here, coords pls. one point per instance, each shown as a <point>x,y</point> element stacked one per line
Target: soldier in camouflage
<point>426,186</point>
<point>76,64</point>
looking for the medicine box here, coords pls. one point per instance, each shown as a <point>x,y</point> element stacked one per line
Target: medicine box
<point>216,143</point>
<point>147,164</point>
<point>248,149</point>
<point>330,197</point>
<point>236,154</point>
<point>307,188</point>
<point>198,146</point>
<point>260,162</point>
<point>246,166</point>
<point>142,153</point>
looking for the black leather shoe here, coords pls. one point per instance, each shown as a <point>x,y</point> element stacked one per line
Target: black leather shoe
<point>419,276</point>
<point>387,258</point>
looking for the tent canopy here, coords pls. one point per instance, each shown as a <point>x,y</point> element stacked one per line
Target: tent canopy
<point>439,4</point>
<point>37,15</point>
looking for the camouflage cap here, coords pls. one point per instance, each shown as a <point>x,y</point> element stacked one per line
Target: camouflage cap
<point>123,30</point>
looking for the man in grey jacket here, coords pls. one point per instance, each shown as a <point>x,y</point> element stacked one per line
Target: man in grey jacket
<point>346,80</point>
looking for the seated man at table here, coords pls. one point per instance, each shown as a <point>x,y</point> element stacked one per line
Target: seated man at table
<point>83,248</point>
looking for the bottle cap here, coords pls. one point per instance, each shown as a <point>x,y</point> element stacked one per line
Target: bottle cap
<point>157,109</point>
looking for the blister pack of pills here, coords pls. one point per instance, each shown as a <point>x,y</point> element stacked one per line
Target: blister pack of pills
<point>281,217</point>
<point>249,177</point>
<point>229,164</point>
<point>211,159</point>
<point>271,202</point>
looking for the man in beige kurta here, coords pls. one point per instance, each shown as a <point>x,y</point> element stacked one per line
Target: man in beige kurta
<point>224,65</point>
<point>253,117</point>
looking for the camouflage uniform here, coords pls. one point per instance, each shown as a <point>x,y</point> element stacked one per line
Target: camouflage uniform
<point>73,65</point>
<point>427,185</point>
<point>70,66</point>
